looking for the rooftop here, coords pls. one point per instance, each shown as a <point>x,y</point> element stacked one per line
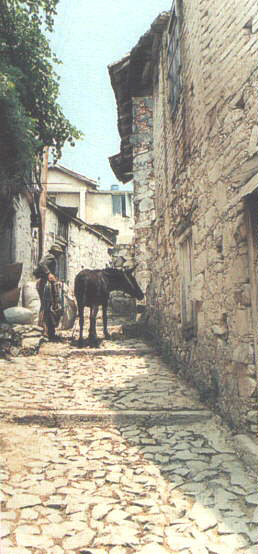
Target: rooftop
<point>82,178</point>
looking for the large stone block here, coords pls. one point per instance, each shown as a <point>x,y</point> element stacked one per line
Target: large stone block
<point>243,353</point>
<point>243,322</point>
<point>197,287</point>
<point>238,272</point>
<point>247,386</point>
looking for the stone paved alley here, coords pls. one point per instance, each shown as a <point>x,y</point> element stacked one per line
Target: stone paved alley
<point>107,451</point>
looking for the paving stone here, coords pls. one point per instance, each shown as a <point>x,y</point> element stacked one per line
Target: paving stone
<point>99,487</point>
<point>231,524</point>
<point>29,529</point>
<point>252,498</point>
<point>8,515</point>
<point>117,516</point>
<point>235,541</point>
<point>35,541</point>
<point>55,530</point>
<point>252,550</point>
<point>178,542</point>
<point>100,511</point>
<point>23,501</point>
<point>29,513</point>
<point>152,548</point>
<point>18,550</point>
<point>204,517</point>
<point>118,536</point>
<point>80,540</point>
<point>56,550</point>
<point>5,529</point>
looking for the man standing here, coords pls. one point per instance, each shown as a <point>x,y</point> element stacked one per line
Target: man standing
<point>48,289</point>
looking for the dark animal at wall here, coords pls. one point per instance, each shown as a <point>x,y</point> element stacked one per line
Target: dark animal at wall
<point>92,288</point>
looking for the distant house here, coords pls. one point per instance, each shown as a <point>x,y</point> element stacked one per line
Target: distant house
<point>83,245</point>
<point>69,189</point>
<point>106,208</point>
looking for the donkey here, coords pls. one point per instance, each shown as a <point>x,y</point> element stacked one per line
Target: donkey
<point>92,288</point>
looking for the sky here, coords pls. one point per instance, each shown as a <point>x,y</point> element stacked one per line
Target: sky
<point>88,36</point>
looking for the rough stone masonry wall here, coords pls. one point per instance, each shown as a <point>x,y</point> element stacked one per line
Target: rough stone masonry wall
<point>22,239</point>
<point>198,156</point>
<point>84,249</point>
<point>144,186</point>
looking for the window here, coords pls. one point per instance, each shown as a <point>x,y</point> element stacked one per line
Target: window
<point>62,228</point>
<point>119,204</point>
<point>61,269</point>
<point>174,58</point>
<point>188,318</point>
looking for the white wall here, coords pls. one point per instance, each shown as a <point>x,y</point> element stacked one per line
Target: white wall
<point>84,248</point>
<point>99,209</point>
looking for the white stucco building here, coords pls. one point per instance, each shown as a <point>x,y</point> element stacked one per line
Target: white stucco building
<point>111,208</point>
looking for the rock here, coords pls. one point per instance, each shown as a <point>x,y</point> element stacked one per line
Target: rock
<point>18,315</point>
<point>247,386</point>
<point>232,525</point>
<point>248,450</point>
<point>153,548</point>
<point>178,542</point>
<point>35,541</point>
<point>118,536</point>
<point>100,511</point>
<point>23,501</point>
<point>115,516</point>
<point>204,517</point>
<point>55,530</point>
<point>5,530</point>
<point>29,529</point>
<point>252,417</point>
<point>56,550</point>
<point>80,540</point>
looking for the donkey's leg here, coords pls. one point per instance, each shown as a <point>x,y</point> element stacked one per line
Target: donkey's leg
<point>104,315</point>
<point>92,332</point>
<point>81,319</point>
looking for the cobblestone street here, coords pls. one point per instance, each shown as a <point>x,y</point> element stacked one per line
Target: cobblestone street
<point>107,451</point>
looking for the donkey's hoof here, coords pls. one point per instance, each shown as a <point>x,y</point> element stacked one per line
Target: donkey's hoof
<point>93,342</point>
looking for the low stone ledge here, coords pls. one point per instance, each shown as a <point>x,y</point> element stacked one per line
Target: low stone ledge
<point>247,449</point>
<point>147,417</point>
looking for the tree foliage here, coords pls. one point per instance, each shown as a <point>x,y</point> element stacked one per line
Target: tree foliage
<point>30,116</point>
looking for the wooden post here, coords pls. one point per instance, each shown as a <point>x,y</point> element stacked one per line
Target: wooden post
<point>43,202</point>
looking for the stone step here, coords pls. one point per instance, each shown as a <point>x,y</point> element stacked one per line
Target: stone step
<point>148,418</point>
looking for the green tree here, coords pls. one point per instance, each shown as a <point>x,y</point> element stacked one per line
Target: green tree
<point>30,116</point>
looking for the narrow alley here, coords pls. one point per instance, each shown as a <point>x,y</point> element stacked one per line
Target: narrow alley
<point>107,451</point>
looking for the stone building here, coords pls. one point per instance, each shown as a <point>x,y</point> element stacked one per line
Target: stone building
<point>84,246</point>
<point>107,208</point>
<point>19,238</point>
<point>187,116</point>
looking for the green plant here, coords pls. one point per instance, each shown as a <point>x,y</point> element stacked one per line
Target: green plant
<point>30,116</point>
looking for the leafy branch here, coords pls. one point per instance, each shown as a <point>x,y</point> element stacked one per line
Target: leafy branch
<point>30,116</point>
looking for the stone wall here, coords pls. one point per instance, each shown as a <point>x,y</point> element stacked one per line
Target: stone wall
<point>85,248</point>
<point>204,154</point>
<point>144,185</point>
<point>22,238</point>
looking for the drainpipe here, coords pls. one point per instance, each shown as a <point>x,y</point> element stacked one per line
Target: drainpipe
<point>43,202</point>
